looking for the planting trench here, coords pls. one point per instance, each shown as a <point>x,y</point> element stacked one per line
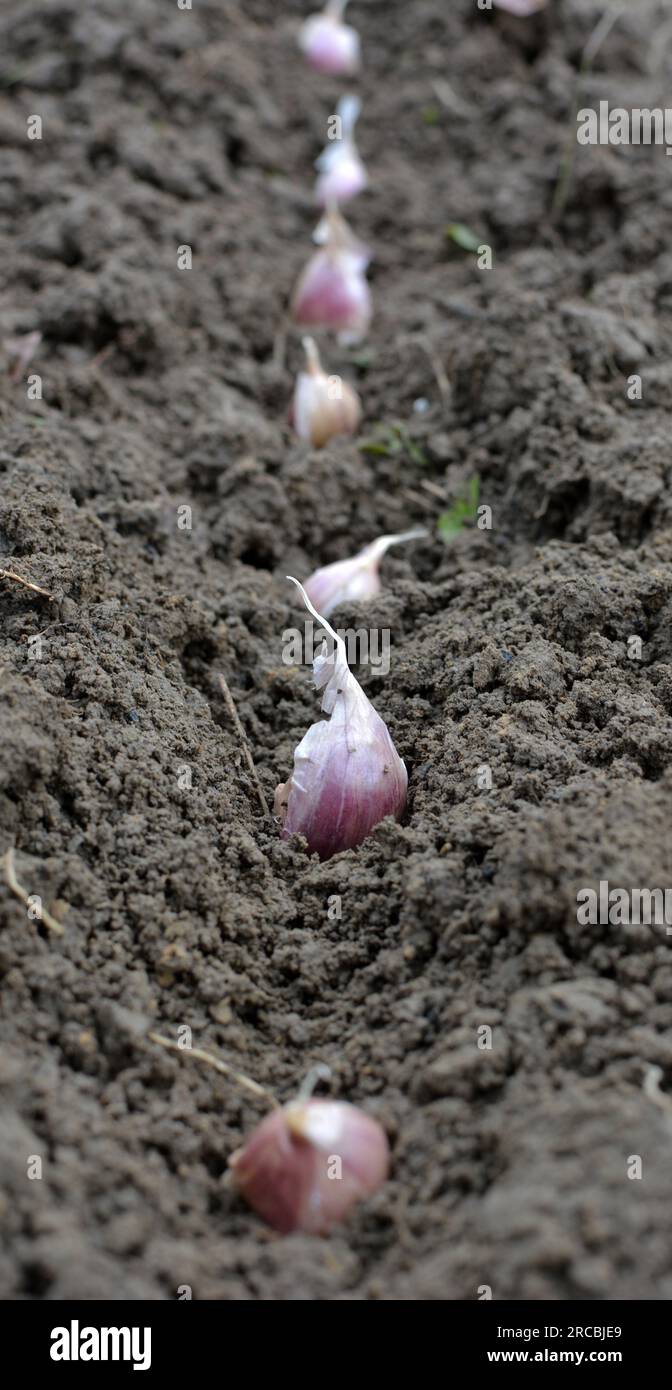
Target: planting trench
<point>510,647</point>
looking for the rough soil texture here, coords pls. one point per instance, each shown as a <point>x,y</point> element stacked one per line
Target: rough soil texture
<point>510,647</point>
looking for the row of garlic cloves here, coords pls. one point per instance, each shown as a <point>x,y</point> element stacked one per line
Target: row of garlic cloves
<point>332,292</point>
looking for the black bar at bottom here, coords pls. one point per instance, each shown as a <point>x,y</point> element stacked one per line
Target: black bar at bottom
<point>191,1338</point>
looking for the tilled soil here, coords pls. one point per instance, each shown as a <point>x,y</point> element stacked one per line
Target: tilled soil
<point>511,649</point>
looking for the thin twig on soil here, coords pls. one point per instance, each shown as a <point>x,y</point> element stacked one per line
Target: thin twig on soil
<point>9,574</point>
<point>601,31</point>
<point>451,100</point>
<point>434,488</point>
<point>416,497</point>
<point>437,368</point>
<point>15,887</point>
<point>280,344</point>
<point>102,356</point>
<point>201,1055</point>
<point>228,699</point>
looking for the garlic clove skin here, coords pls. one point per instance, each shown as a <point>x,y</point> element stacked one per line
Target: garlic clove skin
<point>347,774</point>
<point>355,579</point>
<point>322,406</point>
<point>332,291</point>
<point>330,45</point>
<point>305,1166</point>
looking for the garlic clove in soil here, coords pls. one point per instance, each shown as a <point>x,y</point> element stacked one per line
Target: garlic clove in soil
<point>341,171</point>
<point>307,1164</point>
<point>355,579</point>
<point>323,406</point>
<point>330,45</point>
<point>333,292</point>
<point>347,774</point>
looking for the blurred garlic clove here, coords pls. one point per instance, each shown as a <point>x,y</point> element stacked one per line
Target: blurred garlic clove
<point>522,8</point>
<point>332,292</point>
<point>306,1165</point>
<point>342,176</point>
<point>355,579</point>
<point>347,774</point>
<point>323,406</point>
<point>329,44</point>
<point>341,171</point>
<point>22,348</point>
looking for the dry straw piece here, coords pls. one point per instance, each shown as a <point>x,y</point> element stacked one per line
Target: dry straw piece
<point>13,884</point>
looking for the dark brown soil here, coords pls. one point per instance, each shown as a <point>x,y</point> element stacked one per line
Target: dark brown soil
<point>510,647</point>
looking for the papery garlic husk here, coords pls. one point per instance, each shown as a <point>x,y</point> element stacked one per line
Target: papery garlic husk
<point>323,406</point>
<point>330,45</point>
<point>354,579</point>
<point>333,292</point>
<point>347,774</point>
<point>306,1165</point>
<point>341,171</point>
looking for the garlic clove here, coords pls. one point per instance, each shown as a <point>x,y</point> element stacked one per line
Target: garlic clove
<point>522,8</point>
<point>333,294</point>
<point>305,1166</point>
<point>330,45</point>
<point>341,171</point>
<point>341,177</point>
<point>323,406</point>
<point>347,774</point>
<point>332,291</point>
<point>354,579</point>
